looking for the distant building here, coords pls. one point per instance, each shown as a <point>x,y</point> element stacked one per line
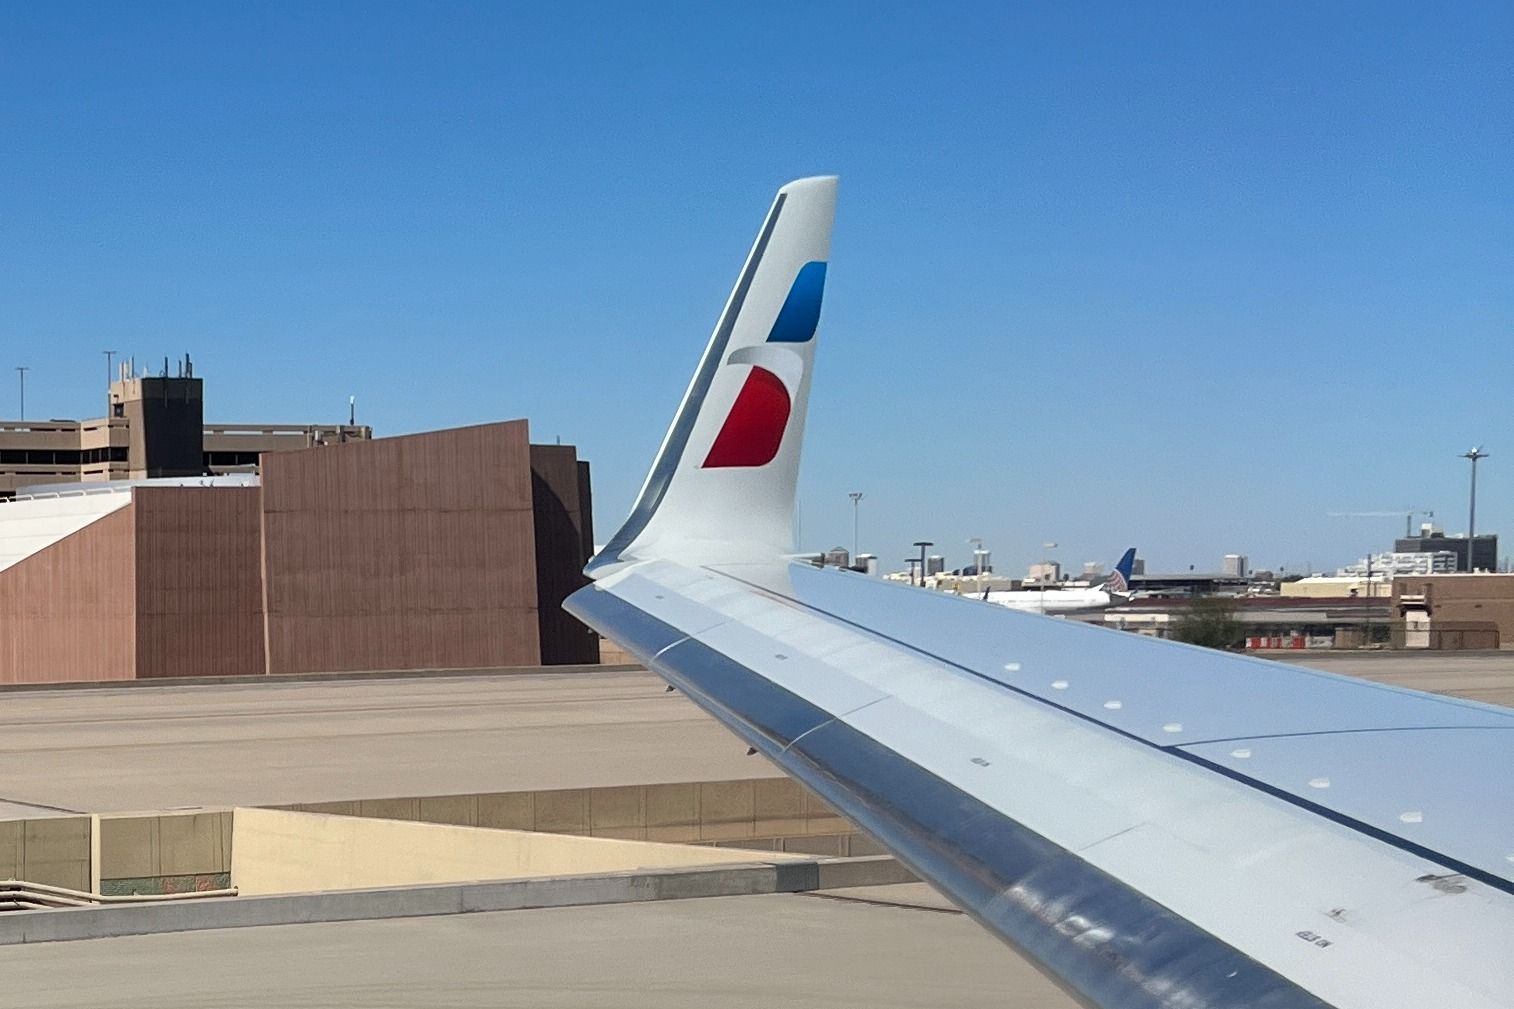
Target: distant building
<point>1342,586</point>
<point>1044,571</point>
<point>1138,566</point>
<point>1235,566</point>
<point>1093,570</point>
<point>1396,564</point>
<point>1181,586</point>
<point>1454,611</point>
<point>1268,622</point>
<point>155,428</point>
<point>867,564</point>
<point>1483,548</point>
<point>837,557</point>
<point>935,564</point>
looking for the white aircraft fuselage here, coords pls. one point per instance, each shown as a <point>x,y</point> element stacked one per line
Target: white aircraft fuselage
<point>1054,600</point>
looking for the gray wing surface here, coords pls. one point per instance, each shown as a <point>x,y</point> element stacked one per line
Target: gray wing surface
<point>1152,824</point>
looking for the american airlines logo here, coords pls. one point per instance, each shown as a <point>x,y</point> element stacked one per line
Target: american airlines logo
<point>753,430</point>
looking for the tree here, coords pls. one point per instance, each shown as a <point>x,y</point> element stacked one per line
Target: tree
<point>1211,622</point>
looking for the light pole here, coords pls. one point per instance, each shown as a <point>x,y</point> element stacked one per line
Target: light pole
<point>856,497</point>
<point>22,370</point>
<point>110,356</point>
<point>922,544</point>
<point>1046,549</point>
<point>1475,454</point>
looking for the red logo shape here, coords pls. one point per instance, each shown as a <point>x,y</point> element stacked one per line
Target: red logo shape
<point>754,428</point>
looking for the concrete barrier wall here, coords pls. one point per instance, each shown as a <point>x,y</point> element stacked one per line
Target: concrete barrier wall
<point>54,850</point>
<point>165,852</point>
<point>278,851</point>
<point>171,852</point>
<point>772,810</point>
<point>455,898</point>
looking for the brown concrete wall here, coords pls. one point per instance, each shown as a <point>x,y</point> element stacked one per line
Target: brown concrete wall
<point>559,483</point>
<point>404,553</point>
<point>199,590</point>
<point>67,612</point>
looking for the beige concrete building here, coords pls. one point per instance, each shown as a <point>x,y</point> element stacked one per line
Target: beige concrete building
<point>155,428</point>
<point>1337,587</point>
<point>1459,611</point>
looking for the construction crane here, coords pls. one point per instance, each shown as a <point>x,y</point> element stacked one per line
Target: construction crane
<point>1407,513</point>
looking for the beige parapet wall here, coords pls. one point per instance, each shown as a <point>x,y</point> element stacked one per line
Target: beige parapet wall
<point>154,845</point>
<point>54,850</point>
<point>163,851</point>
<point>279,851</point>
<point>692,812</point>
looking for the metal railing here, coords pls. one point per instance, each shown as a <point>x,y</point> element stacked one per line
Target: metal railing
<point>72,491</point>
<point>21,895</point>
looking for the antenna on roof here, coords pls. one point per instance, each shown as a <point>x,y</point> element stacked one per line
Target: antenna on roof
<point>352,411</point>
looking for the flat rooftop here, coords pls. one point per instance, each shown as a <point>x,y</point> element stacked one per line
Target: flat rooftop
<point>123,748</point>
<point>873,946</point>
<point>1478,676</point>
<point>126,748</point>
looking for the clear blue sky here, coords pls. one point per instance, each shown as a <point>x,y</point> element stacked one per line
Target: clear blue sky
<point>1188,277</point>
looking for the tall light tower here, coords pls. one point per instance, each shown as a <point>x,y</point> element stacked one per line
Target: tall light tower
<point>1475,454</point>
<point>22,370</point>
<point>978,553</point>
<point>922,544</point>
<point>856,497</point>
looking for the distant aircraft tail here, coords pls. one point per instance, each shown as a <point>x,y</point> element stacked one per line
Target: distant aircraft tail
<point>722,486</point>
<point>1118,582</point>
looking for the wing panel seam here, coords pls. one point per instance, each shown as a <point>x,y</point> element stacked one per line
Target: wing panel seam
<point>1376,833</point>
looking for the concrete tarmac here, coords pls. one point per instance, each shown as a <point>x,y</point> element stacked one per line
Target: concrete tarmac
<point>124,749</point>
<point>734,952</point>
<point>1478,676</point>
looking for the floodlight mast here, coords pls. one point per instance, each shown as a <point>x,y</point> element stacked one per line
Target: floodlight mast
<point>1473,455</point>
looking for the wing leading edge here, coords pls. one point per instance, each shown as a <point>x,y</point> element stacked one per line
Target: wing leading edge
<point>1153,825</point>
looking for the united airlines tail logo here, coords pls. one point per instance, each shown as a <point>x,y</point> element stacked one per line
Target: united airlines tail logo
<point>753,430</point>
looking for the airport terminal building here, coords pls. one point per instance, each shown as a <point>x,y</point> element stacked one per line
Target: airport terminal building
<point>154,427</point>
<point>443,550</point>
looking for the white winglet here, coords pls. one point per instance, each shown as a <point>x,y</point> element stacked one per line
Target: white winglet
<point>722,487</point>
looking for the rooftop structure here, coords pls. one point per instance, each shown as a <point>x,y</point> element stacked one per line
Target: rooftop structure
<point>1338,586</point>
<point>155,428</point>
<point>1044,571</point>
<point>1483,548</point>
<point>1393,564</point>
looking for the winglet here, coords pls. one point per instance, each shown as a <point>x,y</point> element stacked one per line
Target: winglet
<point>722,486</point>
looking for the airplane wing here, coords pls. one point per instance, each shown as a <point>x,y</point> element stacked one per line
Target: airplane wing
<point>1154,825</point>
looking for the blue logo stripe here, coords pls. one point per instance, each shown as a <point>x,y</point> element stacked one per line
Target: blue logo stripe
<point>801,309</point>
